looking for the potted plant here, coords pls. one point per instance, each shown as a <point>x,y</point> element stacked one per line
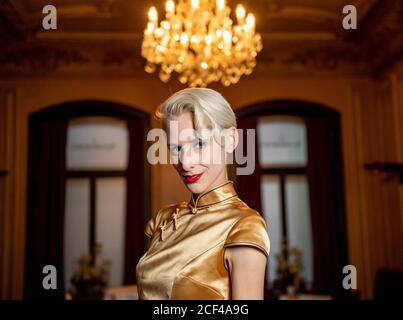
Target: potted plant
<point>90,276</point>
<point>289,265</point>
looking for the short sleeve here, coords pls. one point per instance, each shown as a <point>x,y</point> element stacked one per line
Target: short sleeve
<point>250,230</point>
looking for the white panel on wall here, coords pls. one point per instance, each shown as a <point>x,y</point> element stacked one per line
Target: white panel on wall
<point>271,207</point>
<point>282,141</point>
<point>110,224</point>
<point>97,143</point>
<point>299,221</point>
<point>76,222</point>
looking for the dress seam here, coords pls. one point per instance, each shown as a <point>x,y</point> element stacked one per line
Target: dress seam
<point>235,243</point>
<point>202,284</point>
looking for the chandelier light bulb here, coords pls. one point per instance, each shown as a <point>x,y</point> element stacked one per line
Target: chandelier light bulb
<point>165,25</point>
<point>220,4</point>
<point>153,14</point>
<point>170,6</point>
<point>250,20</point>
<point>184,38</point>
<point>150,26</point>
<point>227,36</point>
<point>240,12</point>
<point>195,4</point>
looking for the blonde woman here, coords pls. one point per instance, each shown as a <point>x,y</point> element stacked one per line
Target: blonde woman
<point>213,246</point>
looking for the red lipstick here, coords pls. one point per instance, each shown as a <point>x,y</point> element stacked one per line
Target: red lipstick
<point>192,179</point>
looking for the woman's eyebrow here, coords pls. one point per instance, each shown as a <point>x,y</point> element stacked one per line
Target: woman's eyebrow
<point>180,145</point>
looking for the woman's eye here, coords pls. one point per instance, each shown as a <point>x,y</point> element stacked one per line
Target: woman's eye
<point>200,144</point>
<point>175,149</point>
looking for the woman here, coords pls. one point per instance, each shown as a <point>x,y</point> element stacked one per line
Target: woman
<point>214,246</point>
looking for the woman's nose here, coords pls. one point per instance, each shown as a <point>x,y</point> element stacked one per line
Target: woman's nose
<point>187,158</point>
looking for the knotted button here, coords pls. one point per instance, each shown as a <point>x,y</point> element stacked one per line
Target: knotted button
<point>162,228</point>
<point>175,216</point>
<point>193,209</point>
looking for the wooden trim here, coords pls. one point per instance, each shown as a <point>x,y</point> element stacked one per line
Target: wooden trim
<point>93,217</point>
<point>10,222</point>
<point>397,104</point>
<point>283,213</point>
<point>359,252</point>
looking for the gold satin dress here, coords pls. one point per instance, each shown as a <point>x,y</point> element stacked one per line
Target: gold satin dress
<point>185,258</point>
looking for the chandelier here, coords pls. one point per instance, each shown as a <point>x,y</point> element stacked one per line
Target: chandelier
<point>198,40</point>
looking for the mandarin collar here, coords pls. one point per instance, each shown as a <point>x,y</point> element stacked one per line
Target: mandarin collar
<point>216,195</point>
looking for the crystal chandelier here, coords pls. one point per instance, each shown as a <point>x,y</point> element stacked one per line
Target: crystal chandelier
<point>198,40</point>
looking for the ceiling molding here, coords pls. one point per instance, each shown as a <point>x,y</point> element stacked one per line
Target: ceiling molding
<point>381,35</point>
<point>320,46</point>
<point>99,9</point>
<point>363,7</point>
<point>42,59</point>
<point>92,58</point>
<point>12,26</point>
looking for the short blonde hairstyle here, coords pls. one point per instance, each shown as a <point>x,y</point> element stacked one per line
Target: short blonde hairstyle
<point>209,109</point>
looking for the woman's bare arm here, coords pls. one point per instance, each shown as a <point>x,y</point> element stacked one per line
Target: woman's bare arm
<point>247,266</point>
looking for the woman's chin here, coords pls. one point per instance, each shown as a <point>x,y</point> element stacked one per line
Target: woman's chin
<point>196,187</point>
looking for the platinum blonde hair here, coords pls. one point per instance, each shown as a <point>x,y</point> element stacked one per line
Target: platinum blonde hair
<point>209,108</point>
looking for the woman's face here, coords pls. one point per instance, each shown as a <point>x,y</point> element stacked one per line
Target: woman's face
<point>199,161</point>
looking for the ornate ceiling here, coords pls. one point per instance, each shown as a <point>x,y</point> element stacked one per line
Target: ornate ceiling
<point>104,37</point>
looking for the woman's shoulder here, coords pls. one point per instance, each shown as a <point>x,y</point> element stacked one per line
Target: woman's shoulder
<point>243,212</point>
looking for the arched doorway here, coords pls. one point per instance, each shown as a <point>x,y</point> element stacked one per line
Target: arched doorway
<point>297,184</point>
<point>48,188</point>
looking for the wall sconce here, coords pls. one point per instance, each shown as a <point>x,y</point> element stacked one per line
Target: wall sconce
<point>386,168</point>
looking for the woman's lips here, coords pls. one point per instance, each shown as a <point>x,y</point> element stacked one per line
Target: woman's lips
<point>192,179</point>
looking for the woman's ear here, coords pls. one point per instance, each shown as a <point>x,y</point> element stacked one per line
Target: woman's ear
<point>233,139</point>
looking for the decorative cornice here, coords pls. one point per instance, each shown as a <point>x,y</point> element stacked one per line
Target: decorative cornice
<point>375,46</point>
<point>328,58</point>
<point>12,26</point>
<point>44,58</point>
<point>380,35</point>
<point>38,58</point>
